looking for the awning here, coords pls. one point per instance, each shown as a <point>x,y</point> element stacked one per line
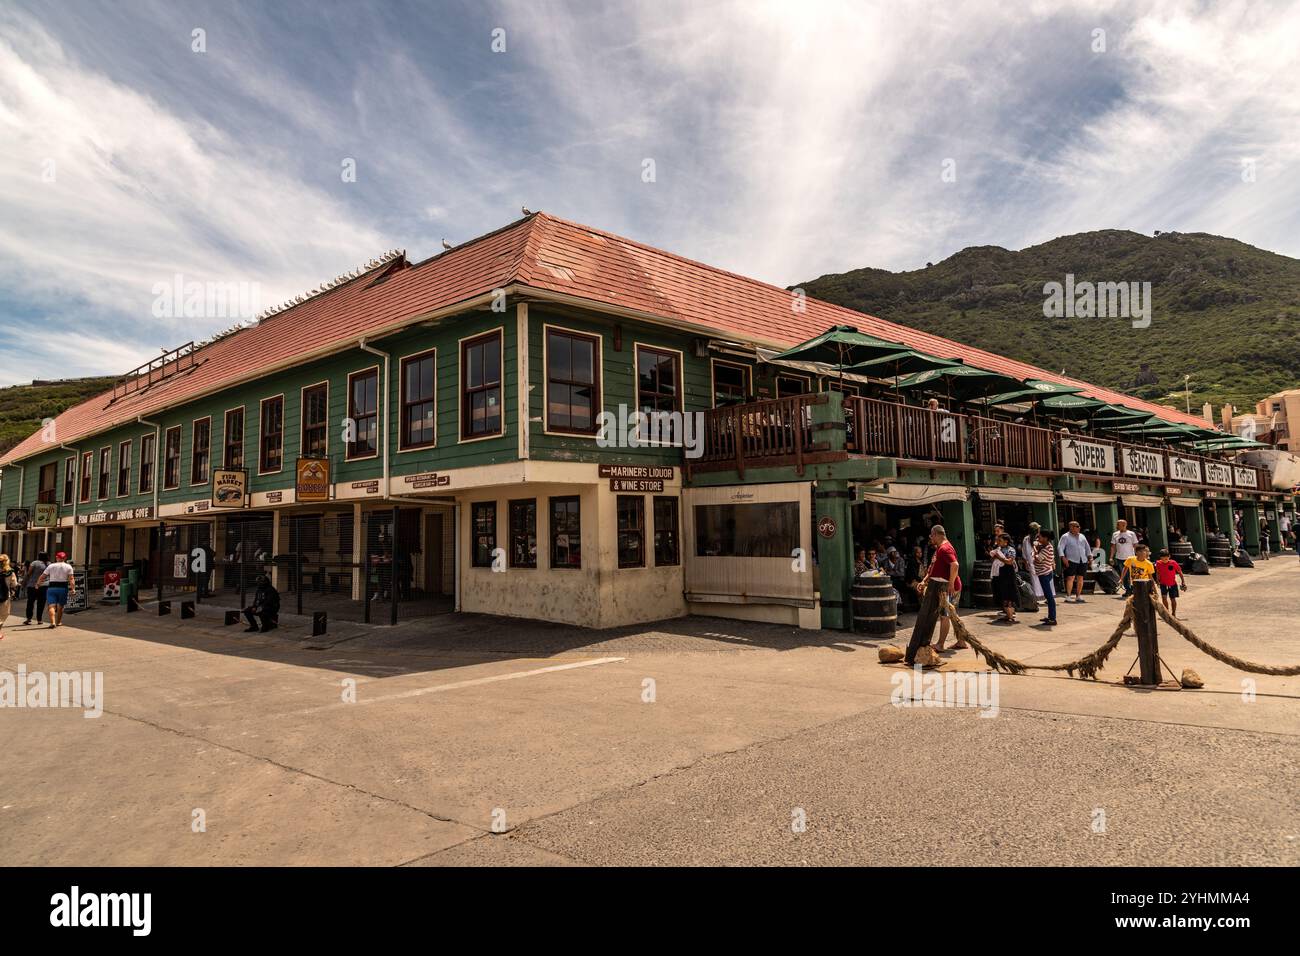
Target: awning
<point>901,494</point>
<point>1142,501</point>
<point>1088,497</point>
<point>1183,501</point>
<point>1039,495</point>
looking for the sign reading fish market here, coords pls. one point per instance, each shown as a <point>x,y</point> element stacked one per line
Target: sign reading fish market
<point>1141,463</point>
<point>1078,455</point>
<point>1187,470</point>
<point>1245,477</point>
<point>1217,473</point>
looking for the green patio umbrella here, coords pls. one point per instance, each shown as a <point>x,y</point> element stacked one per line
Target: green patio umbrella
<point>906,362</point>
<point>965,383</point>
<point>839,347</point>
<point>1033,390</point>
<point>1226,442</point>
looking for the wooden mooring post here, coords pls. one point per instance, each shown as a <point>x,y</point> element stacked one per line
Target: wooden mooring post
<point>1144,622</point>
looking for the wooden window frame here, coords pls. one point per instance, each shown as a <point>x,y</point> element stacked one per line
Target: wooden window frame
<point>748,387</point>
<point>104,476</point>
<point>619,531</point>
<point>474,508</point>
<point>511,530</point>
<point>180,443</point>
<point>302,419</point>
<point>806,379</point>
<point>348,449</point>
<point>551,532</point>
<point>225,437</point>
<point>123,459</point>
<point>463,406</point>
<point>194,446</point>
<point>69,480</point>
<point>404,406</point>
<point>597,386</point>
<point>261,435</point>
<point>149,473</point>
<point>679,389</point>
<point>676,529</point>
<point>84,485</point>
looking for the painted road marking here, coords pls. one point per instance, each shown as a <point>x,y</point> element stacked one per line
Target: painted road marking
<point>457,685</point>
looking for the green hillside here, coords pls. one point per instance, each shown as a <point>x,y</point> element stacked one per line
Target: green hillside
<point>1225,313</point>
<point>23,407</point>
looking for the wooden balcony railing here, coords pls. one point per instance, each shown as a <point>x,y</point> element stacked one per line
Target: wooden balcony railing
<point>778,431</point>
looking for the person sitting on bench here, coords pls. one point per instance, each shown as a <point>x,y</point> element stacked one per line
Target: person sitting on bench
<point>266,605</point>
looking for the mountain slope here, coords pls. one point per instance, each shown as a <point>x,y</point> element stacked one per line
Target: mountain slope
<point>24,407</point>
<point>1223,312</point>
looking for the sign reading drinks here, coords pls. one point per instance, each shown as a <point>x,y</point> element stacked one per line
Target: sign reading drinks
<point>1217,473</point>
<point>1185,469</point>
<point>1078,455</point>
<point>45,516</point>
<point>1141,463</point>
<point>313,479</point>
<point>229,488</point>
<point>1245,477</point>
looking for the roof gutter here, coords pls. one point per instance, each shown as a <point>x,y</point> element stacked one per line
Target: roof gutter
<point>361,344</point>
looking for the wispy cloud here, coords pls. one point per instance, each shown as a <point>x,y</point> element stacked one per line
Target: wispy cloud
<point>787,140</point>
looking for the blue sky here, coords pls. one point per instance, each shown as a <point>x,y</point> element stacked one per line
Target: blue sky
<point>788,139</point>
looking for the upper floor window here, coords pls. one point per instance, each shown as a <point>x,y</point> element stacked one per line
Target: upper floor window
<point>233,456</point>
<point>730,383</point>
<point>315,421</point>
<point>105,470</point>
<point>146,463</point>
<point>87,461</point>
<point>419,409</point>
<point>363,409</point>
<point>271,444</point>
<point>49,479</point>
<point>572,382</point>
<point>69,479</point>
<point>787,385</point>
<point>172,457</point>
<point>201,453</point>
<point>124,469</point>
<point>658,391</point>
<point>480,386</point>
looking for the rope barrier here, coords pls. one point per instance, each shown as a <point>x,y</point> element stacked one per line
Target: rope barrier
<point>1087,666</point>
<point>1222,657</point>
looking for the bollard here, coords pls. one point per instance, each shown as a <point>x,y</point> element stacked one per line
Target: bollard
<point>318,623</point>
<point>232,617</point>
<point>164,607</point>
<point>132,604</point>
<point>187,610</point>
<point>1144,622</point>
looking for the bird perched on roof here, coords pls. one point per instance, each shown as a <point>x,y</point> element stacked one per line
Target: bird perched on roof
<point>446,244</point>
<point>525,210</point>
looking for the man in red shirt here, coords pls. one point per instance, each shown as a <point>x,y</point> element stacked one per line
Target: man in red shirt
<point>942,578</point>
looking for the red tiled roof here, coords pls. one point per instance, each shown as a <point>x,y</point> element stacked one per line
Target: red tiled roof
<point>544,253</point>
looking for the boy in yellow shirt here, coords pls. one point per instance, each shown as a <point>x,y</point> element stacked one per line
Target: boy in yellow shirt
<point>1138,567</point>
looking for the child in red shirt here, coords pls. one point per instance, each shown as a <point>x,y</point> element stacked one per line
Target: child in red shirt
<point>1168,573</point>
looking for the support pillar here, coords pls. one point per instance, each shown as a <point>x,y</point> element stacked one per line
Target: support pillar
<point>1195,530</point>
<point>1223,511</point>
<point>959,522</point>
<point>834,529</point>
<point>1144,624</point>
<point>1107,515</point>
<point>276,577</point>
<point>1274,527</point>
<point>358,546</point>
<point>1250,526</point>
<point>1157,521</point>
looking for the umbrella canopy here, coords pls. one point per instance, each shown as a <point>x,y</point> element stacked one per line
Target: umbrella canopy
<point>1033,390</point>
<point>965,383</point>
<point>840,347</point>
<point>906,362</point>
<point>1226,442</point>
<point>1071,406</point>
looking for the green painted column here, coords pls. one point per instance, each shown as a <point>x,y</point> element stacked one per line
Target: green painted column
<point>1045,515</point>
<point>1157,520</point>
<point>1275,529</point>
<point>1195,530</point>
<point>1223,509</point>
<point>1107,515</point>
<point>1250,526</point>
<point>833,507</point>
<point>959,522</point>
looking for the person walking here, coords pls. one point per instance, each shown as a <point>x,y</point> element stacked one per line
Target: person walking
<point>1138,567</point>
<point>941,579</point>
<point>1045,571</point>
<point>1027,553</point>
<point>60,584</point>
<point>1264,543</point>
<point>1005,584</point>
<point>8,590</point>
<point>1075,555</point>
<point>1168,574</point>
<point>35,590</point>
<point>1123,545</point>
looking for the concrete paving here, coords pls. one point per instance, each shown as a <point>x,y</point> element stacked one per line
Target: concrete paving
<point>474,740</point>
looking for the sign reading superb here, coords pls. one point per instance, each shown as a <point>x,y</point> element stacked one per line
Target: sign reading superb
<point>1140,463</point>
<point>1078,455</point>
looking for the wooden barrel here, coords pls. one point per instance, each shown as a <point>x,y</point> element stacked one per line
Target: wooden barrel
<point>875,610</point>
<point>1181,551</point>
<point>982,586</point>
<point>1220,555</point>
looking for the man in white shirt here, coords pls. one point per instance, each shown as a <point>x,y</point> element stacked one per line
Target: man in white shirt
<point>1075,553</point>
<point>60,582</point>
<point>1123,545</point>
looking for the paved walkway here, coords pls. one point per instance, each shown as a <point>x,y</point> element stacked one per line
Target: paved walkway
<point>690,741</point>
